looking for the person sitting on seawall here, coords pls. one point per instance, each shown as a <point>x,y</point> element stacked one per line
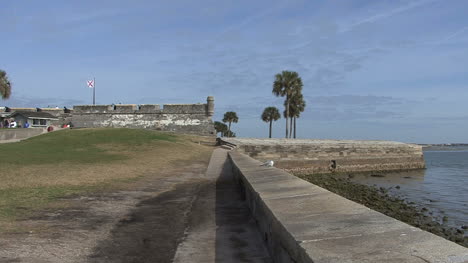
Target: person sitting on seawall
<point>26,124</point>
<point>13,124</point>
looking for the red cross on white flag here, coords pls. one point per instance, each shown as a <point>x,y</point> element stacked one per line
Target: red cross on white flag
<point>90,83</point>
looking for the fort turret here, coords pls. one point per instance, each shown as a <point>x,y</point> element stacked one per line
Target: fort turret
<point>210,105</point>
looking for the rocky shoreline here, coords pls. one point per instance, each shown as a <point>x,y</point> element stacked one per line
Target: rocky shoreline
<point>378,199</point>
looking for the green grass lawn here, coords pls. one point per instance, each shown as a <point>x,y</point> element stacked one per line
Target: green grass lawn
<point>39,170</point>
<point>78,146</point>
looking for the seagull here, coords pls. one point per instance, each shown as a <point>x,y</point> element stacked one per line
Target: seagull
<point>269,163</point>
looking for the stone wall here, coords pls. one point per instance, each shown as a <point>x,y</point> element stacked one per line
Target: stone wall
<point>20,134</point>
<point>186,118</point>
<point>301,222</point>
<point>328,156</point>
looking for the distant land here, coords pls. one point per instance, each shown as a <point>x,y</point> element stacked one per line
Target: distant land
<point>445,146</point>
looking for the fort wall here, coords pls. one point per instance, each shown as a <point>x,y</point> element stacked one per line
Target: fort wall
<point>329,156</point>
<point>186,118</point>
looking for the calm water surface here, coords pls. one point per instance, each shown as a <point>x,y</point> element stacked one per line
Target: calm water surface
<point>442,188</point>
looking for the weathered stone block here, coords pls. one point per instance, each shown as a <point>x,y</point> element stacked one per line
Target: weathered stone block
<point>185,108</point>
<point>93,109</point>
<point>125,108</point>
<point>149,108</point>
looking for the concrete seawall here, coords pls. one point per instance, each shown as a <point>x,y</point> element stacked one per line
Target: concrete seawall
<point>301,222</point>
<point>328,156</point>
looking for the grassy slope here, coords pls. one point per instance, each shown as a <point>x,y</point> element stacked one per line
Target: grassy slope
<point>39,170</point>
<point>77,146</point>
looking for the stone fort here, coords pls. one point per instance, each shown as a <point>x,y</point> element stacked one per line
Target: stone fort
<point>183,118</point>
<point>186,118</point>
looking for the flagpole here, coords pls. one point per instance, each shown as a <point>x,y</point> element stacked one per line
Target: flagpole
<point>94,91</point>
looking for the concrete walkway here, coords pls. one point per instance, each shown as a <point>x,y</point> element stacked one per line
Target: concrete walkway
<point>220,227</point>
<point>201,218</point>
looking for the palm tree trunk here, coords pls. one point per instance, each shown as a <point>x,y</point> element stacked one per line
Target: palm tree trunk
<point>229,130</point>
<point>294,127</point>
<point>287,114</point>
<point>270,128</point>
<point>290,126</point>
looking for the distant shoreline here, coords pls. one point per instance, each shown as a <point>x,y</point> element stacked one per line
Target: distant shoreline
<point>443,144</point>
<point>444,147</point>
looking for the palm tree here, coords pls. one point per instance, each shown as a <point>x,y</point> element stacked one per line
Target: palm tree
<point>270,114</point>
<point>287,84</point>
<point>296,106</point>
<point>220,128</point>
<point>230,134</point>
<point>285,115</point>
<point>230,117</point>
<point>5,85</point>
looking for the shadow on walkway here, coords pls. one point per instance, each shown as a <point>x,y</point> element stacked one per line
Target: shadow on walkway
<point>237,235</point>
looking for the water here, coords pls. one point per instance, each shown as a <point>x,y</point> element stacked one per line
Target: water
<point>442,188</point>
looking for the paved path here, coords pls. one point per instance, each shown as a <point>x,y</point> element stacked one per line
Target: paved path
<point>220,227</point>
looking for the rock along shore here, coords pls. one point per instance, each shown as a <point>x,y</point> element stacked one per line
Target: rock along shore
<point>378,199</point>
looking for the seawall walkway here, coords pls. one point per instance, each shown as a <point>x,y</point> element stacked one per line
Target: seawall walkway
<point>301,222</point>
<point>221,228</point>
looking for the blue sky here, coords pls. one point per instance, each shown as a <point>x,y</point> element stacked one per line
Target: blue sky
<point>388,70</point>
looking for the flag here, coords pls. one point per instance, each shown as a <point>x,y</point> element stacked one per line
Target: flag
<point>90,83</point>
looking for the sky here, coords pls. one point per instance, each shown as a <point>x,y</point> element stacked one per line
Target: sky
<point>372,70</point>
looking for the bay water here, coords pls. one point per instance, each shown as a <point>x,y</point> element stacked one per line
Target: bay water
<point>441,188</point>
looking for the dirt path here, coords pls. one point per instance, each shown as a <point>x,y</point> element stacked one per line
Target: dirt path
<point>152,231</point>
<point>79,232</point>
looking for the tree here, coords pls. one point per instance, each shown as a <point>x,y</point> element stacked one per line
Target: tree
<point>296,106</point>
<point>5,85</point>
<point>270,114</point>
<point>220,128</point>
<point>299,107</point>
<point>287,84</point>
<point>230,134</point>
<point>230,117</point>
